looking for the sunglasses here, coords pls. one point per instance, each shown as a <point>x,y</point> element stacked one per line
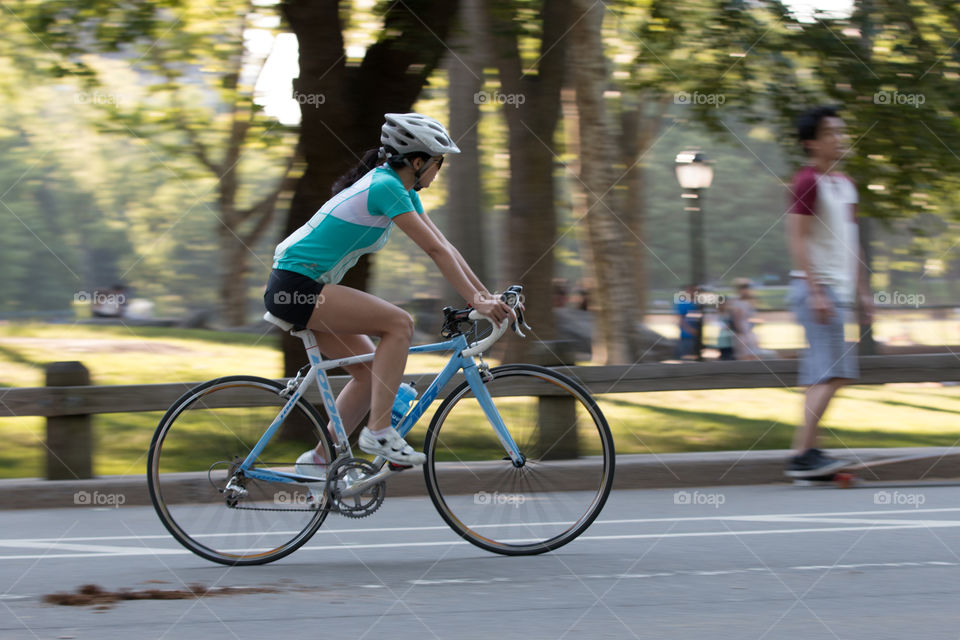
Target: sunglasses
<point>439,162</point>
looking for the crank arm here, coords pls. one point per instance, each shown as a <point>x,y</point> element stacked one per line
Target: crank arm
<point>360,486</point>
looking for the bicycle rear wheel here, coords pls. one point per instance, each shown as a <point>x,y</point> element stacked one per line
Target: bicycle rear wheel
<point>549,500</point>
<point>195,452</point>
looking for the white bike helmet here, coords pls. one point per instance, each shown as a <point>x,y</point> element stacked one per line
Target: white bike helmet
<point>404,133</point>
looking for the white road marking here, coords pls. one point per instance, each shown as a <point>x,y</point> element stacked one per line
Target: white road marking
<point>72,547</point>
<point>667,574</point>
<point>67,546</point>
<point>755,532</point>
<point>830,516</point>
<point>878,527</point>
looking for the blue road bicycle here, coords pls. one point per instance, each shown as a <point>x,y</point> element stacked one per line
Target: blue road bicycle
<point>520,459</point>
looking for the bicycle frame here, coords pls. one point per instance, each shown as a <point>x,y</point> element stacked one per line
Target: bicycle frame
<point>317,373</point>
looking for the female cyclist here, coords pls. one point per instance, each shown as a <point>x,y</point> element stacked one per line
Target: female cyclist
<point>368,201</point>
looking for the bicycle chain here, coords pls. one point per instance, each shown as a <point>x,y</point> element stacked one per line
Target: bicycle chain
<point>330,509</point>
<point>337,468</point>
<point>238,508</point>
<point>235,462</point>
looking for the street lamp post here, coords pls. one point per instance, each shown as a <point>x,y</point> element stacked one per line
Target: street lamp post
<point>695,174</point>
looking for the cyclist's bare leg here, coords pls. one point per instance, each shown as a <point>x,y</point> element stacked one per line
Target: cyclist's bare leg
<point>353,402</point>
<point>343,310</point>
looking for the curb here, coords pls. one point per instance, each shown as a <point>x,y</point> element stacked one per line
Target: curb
<point>635,471</point>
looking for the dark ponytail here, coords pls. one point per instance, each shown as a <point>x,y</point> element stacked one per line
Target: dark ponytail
<point>370,161</point>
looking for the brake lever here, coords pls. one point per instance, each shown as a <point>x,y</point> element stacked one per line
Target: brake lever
<point>520,322</point>
<point>520,319</point>
<point>512,298</point>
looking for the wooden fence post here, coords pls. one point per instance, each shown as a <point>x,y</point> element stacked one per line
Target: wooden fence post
<point>557,415</point>
<point>69,437</point>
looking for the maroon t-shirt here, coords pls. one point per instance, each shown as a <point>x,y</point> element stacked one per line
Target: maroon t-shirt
<point>834,246</point>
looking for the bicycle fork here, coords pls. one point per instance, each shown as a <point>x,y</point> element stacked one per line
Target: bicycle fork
<point>473,376</point>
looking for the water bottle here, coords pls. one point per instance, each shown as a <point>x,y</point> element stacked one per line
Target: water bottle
<point>401,404</point>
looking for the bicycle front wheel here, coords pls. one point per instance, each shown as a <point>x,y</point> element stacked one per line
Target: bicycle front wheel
<point>196,451</point>
<point>559,489</point>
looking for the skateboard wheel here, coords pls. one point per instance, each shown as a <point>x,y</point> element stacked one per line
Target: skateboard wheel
<point>844,480</point>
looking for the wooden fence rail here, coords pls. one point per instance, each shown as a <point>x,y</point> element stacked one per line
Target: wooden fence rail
<point>69,406</point>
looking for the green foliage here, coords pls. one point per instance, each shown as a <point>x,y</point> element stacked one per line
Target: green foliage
<point>893,68</point>
<point>147,140</point>
<point>108,106</point>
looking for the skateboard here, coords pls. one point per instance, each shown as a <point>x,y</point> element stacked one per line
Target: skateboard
<point>846,477</point>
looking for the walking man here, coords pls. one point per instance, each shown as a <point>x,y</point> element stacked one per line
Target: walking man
<point>829,276</point>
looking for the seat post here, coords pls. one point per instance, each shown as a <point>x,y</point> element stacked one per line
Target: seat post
<point>309,342</point>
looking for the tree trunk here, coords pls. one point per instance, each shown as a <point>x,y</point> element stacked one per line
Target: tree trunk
<point>334,134</point>
<point>571,125</point>
<point>530,235</point>
<point>463,224</point>
<point>612,242</point>
<point>633,142</point>
<point>233,281</point>
<point>868,345</point>
<point>532,108</point>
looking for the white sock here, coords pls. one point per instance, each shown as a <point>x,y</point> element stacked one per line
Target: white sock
<point>380,433</point>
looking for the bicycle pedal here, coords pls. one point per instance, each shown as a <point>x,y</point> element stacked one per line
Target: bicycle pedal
<point>398,467</point>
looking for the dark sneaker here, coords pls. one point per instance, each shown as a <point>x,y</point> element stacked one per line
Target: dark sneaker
<point>813,463</point>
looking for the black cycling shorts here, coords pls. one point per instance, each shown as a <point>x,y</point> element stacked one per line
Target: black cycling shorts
<point>292,296</point>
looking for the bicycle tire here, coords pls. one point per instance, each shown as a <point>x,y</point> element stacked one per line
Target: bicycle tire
<point>554,496</point>
<point>200,432</point>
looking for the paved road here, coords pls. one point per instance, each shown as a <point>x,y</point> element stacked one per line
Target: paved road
<point>734,562</point>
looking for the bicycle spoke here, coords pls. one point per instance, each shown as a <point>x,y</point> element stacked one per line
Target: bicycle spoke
<point>541,505</point>
<point>196,452</point>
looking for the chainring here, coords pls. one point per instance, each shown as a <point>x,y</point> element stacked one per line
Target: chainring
<point>350,470</point>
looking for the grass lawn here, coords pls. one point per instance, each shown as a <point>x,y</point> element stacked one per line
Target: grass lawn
<point>862,416</point>
<point>786,334</point>
<point>896,415</point>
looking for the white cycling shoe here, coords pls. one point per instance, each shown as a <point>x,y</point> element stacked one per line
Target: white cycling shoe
<point>309,464</point>
<point>391,446</point>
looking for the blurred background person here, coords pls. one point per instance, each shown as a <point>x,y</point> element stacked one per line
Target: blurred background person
<point>561,293</point>
<point>690,321</point>
<point>742,312</point>
<point>725,333</point>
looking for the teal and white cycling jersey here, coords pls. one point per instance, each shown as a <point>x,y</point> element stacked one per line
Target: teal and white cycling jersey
<point>356,221</point>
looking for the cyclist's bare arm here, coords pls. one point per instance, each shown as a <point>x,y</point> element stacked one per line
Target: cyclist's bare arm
<point>463,263</point>
<point>446,258</point>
